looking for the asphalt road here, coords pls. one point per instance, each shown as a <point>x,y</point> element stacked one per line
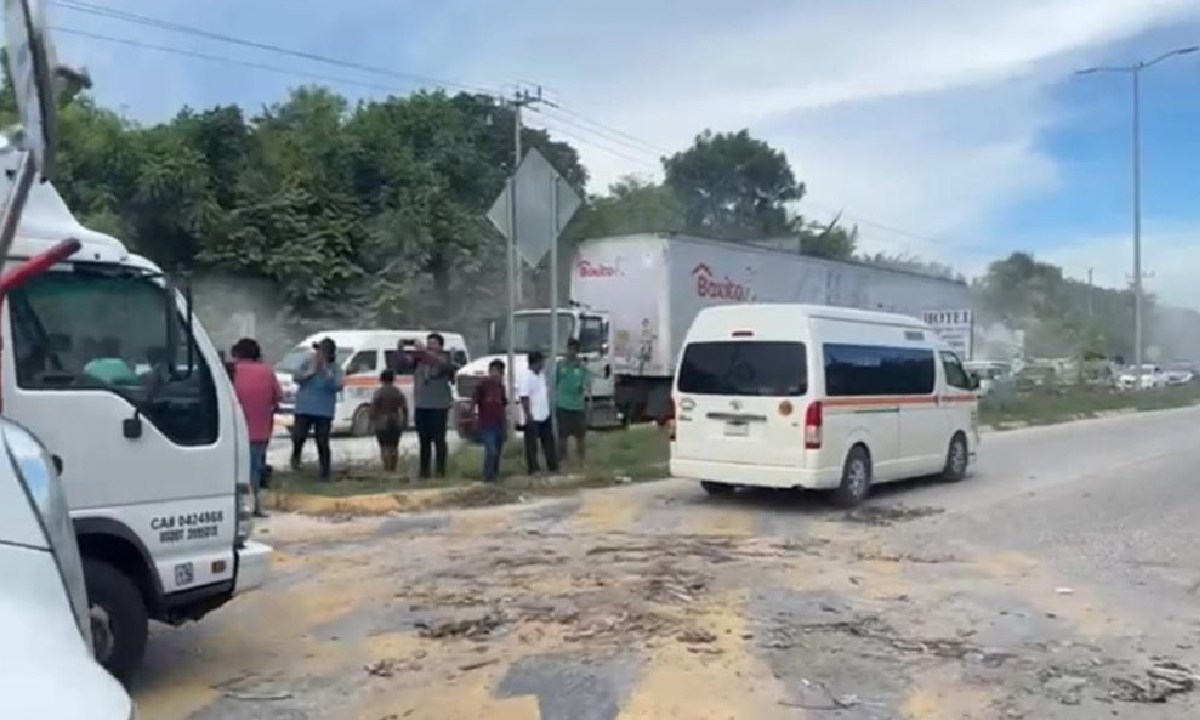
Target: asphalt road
<point>1058,582</point>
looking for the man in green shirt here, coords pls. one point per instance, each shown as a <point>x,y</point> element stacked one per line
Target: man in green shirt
<point>572,385</point>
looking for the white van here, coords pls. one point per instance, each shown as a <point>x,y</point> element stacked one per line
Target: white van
<point>362,355</point>
<point>43,602</point>
<point>810,396</point>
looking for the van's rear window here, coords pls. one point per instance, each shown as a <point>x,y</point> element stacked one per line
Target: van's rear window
<point>752,369</point>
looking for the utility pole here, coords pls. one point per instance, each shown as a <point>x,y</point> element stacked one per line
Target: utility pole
<point>521,99</point>
<point>1090,292</point>
<point>1135,73</point>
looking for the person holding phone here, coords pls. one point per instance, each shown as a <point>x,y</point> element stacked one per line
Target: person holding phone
<point>318,384</point>
<point>433,372</point>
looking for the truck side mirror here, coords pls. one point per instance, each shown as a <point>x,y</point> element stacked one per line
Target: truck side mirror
<point>973,381</point>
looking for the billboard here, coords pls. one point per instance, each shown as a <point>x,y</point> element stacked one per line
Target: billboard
<point>954,327</point>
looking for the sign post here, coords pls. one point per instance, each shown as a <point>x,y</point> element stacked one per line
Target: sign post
<point>955,327</point>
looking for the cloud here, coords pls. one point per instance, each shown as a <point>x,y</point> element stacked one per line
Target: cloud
<point>1170,256</point>
<point>921,119</point>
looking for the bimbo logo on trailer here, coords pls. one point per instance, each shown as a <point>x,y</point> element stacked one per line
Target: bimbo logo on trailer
<point>708,286</point>
<point>588,268</point>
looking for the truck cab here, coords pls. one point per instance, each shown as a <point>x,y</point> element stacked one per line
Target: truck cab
<point>531,331</point>
<point>103,361</point>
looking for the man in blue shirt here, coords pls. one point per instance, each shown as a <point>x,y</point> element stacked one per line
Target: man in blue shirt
<point>318,384</point>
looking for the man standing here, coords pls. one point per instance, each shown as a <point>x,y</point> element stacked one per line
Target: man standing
<point>535,407</point>
<point>572,385</point>
<point>433,371</point>
<point>491,418</point>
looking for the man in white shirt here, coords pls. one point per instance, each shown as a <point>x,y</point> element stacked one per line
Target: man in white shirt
<point>535,407</point>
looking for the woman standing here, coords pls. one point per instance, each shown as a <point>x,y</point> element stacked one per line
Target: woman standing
<point>389,417</point>
<point>318,384</point>
<point>259,394</point>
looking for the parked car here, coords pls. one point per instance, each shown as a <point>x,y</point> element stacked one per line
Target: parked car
<point>1180,373</point>
<point>1151,376</point>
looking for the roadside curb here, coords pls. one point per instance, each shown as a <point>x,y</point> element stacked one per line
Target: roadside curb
<point>418,499</point>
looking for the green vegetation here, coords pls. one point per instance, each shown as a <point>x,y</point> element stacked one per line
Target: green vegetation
<point>1050,405</point>
<point>615,457</point>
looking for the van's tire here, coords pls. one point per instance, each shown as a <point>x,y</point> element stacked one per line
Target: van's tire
<point>856,478</point>
<point>957,459</point>
<point>120,623</point>
<point>360,422</point>
<point>717,489</point>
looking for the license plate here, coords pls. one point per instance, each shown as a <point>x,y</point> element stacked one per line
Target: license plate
<point>737,429</point>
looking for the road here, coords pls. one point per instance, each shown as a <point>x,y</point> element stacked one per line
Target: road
<point>1059,582</point>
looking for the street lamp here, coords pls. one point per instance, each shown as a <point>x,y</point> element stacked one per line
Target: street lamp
<point>1135,73</point>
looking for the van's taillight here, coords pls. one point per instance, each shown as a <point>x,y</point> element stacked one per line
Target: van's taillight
<point>814,418</point>
<point>671,418</point>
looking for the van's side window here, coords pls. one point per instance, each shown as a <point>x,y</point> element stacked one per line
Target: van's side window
<point>391,358</point>
<point>96,332</point>
<point>860,370</point>
<point>956,376</point>
<point>363,361</point>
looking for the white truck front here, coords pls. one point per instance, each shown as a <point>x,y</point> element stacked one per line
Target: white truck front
<point>103,360</point>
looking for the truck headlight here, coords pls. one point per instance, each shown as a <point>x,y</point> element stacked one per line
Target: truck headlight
<point>33,465</point>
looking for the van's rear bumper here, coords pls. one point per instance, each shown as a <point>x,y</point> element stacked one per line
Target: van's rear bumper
<point>771,476</point>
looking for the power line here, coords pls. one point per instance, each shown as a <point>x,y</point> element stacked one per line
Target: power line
<point>221,59</point>
<point>124,16</point>
<point>571,118</point>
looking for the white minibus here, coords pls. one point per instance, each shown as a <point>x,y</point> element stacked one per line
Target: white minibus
<point>362,355</point>
<point>818,397</point>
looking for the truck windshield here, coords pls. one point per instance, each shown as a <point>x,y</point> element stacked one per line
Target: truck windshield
<point>532,332</point>
<point>294,360</point>
<point>110,330</point>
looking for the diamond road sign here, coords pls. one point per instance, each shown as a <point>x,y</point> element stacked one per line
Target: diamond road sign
<point>545,204</point>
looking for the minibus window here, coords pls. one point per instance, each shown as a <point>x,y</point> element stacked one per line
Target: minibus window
<point>746,369</point>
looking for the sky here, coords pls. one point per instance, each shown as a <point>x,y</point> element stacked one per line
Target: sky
<point>954,131</point>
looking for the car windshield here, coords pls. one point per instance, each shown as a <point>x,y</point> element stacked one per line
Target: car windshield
<point>294,360</point>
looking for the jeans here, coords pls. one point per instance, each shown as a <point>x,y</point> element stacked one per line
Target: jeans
<point>320,430</point>
<point>258,468</point>
<point>493,444</point>
<point>431,438</point>
<point>540,432</point>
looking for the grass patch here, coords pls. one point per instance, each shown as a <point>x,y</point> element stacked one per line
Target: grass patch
<point>613,457</point>
<point>1050,405</point>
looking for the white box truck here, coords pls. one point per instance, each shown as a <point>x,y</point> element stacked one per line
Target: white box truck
<point>633,297</point>
<point>103,361</point>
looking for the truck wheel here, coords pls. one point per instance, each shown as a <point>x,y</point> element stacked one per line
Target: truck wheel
<point>360,423</point>
<point>856,478</point>
<point>956,459</point>
<point>120,623</point>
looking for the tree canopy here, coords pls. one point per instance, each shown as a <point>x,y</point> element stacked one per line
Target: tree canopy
<point>376,211</point>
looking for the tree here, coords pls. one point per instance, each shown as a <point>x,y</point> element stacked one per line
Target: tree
<point>733,186</point>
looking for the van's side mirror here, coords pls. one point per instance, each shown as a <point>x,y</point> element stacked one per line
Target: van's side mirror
<point>973,381</point>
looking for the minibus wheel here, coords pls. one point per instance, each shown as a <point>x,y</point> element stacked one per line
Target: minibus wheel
<point>856,478</point>
<point>120,622</point>
<point>360,422</point>
<point>956,459</point>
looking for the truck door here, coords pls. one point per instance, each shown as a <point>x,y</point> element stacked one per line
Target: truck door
<point>118,389</point>
<point>594,345</point>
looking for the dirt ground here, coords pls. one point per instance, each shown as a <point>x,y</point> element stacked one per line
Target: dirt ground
<point>657,602</point>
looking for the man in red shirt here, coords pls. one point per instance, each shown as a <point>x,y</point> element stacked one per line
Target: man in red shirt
<point>491,418</point>
<point>258,393</point>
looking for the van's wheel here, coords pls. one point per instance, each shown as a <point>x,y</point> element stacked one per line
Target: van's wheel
<point>856,478</point>
<point>120,623</point>
<point>360,423</point>
<point>956,459</point>
<point>717,489</point>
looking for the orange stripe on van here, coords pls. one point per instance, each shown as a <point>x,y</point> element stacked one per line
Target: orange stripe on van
<point>875,401</point>
<point>373,381</point>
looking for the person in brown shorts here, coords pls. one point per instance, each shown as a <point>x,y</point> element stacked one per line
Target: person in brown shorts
<point>389,416</point>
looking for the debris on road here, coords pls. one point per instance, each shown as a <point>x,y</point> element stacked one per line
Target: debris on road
<point>1163,680</point>
<point>887,515</point>
<point>469,628</point>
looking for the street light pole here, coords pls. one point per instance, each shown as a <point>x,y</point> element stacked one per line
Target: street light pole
<point>1135,73</point>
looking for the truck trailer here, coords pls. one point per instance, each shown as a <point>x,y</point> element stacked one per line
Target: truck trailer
<point>633,297</point>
